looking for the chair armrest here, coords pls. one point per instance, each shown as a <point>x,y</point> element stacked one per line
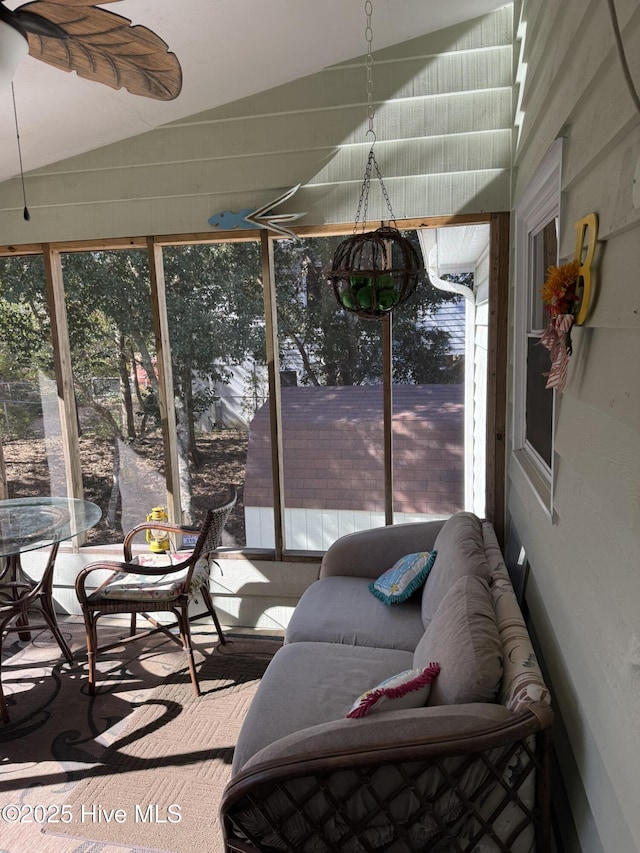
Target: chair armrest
<point>176,529</point>
<point>368,553</point>
<point>113,566</point>
<point>104,566</point>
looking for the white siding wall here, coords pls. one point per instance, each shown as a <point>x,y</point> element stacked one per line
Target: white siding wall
<point>585,583</point>
<point>443,123</point>
<point>478,411</point>
<point>316,529</point>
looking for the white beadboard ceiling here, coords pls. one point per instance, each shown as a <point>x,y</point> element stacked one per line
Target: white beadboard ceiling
<point>228,49</point>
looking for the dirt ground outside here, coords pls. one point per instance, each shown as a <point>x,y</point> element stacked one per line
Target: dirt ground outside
<point>223,452</point>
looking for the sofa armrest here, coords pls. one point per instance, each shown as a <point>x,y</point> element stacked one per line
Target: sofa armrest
<point>428,727</point>
<point>408,774</point>
<point>368,553</point>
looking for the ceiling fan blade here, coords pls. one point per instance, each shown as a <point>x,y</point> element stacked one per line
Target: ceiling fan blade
<point>81,2</point>
<point>106,48</point>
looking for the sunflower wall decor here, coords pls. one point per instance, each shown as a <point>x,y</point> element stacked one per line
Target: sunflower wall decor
<point>566,296</point>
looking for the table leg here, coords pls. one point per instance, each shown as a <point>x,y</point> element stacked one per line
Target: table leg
<point>18,585</point>
<point>45,594</point>
<point>15,582</point>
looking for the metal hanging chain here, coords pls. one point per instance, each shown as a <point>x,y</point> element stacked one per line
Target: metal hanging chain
<point>368,34</point>
<point>363,203</point>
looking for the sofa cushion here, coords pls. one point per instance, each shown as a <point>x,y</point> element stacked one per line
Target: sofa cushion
<point>342,610</point>
<point>368,553</point>
<point>404,578</point>
<point>463,637</point>
<point>307,684</point>
<point>408,689</point>
<point>460,547</point>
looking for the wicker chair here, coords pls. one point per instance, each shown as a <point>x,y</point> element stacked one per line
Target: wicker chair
<point>142,589</point>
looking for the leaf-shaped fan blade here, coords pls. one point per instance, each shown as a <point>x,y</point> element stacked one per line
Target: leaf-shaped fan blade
<point>80,2</point>
<point>106,48</point>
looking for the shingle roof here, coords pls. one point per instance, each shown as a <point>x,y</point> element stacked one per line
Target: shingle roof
<point>333,451</point>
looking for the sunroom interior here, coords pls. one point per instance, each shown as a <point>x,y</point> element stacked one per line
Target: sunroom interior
<point>496,131</point>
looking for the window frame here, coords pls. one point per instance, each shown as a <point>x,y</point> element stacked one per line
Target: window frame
<point>540,203</point>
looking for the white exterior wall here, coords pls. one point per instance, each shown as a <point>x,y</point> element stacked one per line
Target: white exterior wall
<point>476,370</point>
<point>584,585</point>
<point>315,529</point>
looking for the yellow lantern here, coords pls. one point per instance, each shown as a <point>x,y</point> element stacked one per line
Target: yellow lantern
<point>158,539</point>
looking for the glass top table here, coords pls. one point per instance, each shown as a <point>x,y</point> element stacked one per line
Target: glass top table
<point>30,523</point>
<point>25,525</point>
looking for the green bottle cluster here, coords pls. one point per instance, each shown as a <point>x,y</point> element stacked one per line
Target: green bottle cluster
<point>370,293</point>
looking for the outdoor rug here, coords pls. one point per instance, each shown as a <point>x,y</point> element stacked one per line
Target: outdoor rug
<point>137,768</point>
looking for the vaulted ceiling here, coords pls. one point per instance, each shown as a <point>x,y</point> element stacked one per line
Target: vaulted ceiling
<point>228,49</point>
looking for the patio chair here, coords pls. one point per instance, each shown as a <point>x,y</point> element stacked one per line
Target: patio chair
<point>137,588</point>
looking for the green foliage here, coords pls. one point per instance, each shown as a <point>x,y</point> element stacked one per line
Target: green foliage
<point>214,305</point>
<point>25,332</point>
<point>337,347</point>
<point>149,411</point>
<point>17,421</point>
<point>254,392</point>
<point>216,321</point>
<point>106,295</point>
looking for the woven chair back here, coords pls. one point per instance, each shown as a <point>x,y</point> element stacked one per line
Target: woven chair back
<point>211,530</point>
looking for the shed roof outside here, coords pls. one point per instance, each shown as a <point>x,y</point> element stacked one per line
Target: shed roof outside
<point>333,449</point>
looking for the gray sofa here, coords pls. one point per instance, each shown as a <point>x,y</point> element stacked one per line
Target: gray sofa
<point>468,771</point>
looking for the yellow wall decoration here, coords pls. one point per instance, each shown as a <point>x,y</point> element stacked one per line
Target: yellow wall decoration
<point>588,224</point>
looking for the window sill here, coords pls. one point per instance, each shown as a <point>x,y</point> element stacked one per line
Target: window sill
<point>114,552</point>
<point>538,480</point>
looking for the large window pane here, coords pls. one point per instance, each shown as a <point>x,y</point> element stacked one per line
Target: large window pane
<point>216,334</point>
<point>113,363</point>
<point>332,435</point>
<point>429,348</point>
<point>29,416</point>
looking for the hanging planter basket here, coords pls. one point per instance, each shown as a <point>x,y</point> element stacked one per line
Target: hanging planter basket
<point>375,272</point>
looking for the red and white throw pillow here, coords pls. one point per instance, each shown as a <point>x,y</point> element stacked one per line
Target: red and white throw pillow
<point>408,689</point>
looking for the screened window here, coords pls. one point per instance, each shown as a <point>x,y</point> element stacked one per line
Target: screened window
<point>537,229</point>
<point>165,356</point>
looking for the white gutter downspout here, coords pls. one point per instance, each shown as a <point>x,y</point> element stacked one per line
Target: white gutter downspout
<point>429,245</point>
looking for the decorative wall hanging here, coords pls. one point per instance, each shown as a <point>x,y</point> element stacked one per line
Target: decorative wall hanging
<point>374,272</point>
<point>261,217</point>
<point>566,296</point>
